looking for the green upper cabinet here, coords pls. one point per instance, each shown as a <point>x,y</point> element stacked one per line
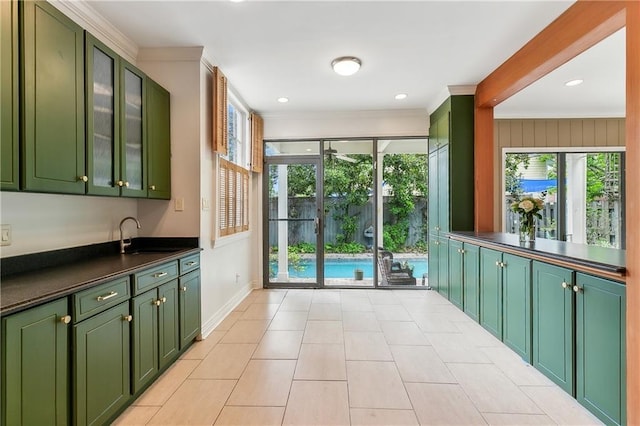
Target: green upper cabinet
<point>516,304</point>
<point>553,313</point>
<point>53,138</point>
<point>471,279</point>
<point>133,161</point>
<point>103,118</point>
<point>158,141</point>
<point>35,366</point>
<point>601,347</point>
<point>9,176</point>
<point>433,192</point>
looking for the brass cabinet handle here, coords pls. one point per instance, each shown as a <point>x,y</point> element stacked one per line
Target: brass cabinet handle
<point>164,300</point>
<point>120,183</point>
<point>126,184</point>
<point>160,275</point>
<point>65,319</point>
<point>498,263</point>
<point>564,285</point>
<point>191,263</point>
<point>503,265</point>
<point>156,302</point>
<point>83,178</point>
<point>152,187</point>
<point>184,288</point>
<point>127,318</point>
<point>577,289</point>
<point>108,296</point>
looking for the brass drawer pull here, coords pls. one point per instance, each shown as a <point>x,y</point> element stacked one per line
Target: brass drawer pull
<point>192,263</point>
<point>108,296</point>
<point>156,302</point>
<point>164,300</point>
<point>127,318</point>
<point>65,319</point>
<point>184,288</point>
<point>152,187</point>
<point>160,275</point>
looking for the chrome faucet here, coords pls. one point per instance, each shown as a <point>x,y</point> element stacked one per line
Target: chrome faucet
<point>124,244</point>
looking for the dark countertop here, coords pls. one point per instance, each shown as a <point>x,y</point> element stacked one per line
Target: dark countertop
<point>27,288</point>
<point>607,260</point>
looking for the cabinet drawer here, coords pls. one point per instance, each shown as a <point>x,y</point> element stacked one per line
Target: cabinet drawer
<point>153,277</point>
<point>190,263</point>
<point>93,300</point>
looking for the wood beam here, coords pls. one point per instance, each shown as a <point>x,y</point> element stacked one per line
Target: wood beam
<point>583,25</point>
<point>632,211</point>
<point>483,170</point>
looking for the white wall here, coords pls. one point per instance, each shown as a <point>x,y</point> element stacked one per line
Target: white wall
<point>42,222</point>
<point>351,124</point>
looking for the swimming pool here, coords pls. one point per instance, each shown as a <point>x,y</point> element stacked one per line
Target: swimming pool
<point>344,268</point>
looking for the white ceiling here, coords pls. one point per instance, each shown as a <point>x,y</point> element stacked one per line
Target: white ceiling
<point>269,49</point>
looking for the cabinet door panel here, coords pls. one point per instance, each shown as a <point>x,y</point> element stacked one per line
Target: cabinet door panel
<point>443,189</point>
<point>53,101</point>
<point>456,272</point>
<point>443,266</point>
<point>9,95</point>
<point>601,348</point>
<point>491,291</point>
<point>472,281</point>
<point>158,141</point>
<point>168,322</point>
<point>101,370</point>
<point>553,311</point>
<point>434,261</point>
<point>189,307</point>
<point>145,339</point>
<point>103,133</point>
<point>516,306</point>
<point>35,366</point>
<point>133,149</point>
<point>433,192</point>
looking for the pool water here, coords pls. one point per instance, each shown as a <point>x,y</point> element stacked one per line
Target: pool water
<point>344,268</point>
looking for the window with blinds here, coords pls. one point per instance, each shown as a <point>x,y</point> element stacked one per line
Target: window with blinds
<point>234,198</point>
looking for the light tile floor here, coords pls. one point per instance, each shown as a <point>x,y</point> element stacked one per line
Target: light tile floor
<point>359,357</point>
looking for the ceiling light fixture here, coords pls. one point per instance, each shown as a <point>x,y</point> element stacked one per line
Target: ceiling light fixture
<point>283,100</point>
<point>401,96</point>
<point>236,1</point>
<point>575,82</point>
<point>346,65</point>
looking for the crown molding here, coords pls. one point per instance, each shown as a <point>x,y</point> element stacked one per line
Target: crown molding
<point>323,115</point>
<point>171,54</point>
<point>465,89</point>
<point>88,18</point>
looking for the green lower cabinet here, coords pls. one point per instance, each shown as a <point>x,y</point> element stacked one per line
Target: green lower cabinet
<point>433,260</point>
<point>516,304</point>
<point>102,365</point>
<point>443,266</point>
<point>456,272</point>
<point>471,279</point>
<point>35,366</point>
<point>601,347</point>
<point>189,297</point>
<point>491,291</point>
<point>155,333</point>
<point>553,332</point>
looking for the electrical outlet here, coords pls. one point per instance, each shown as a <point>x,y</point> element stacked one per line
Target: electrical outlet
<point>5,239</point>
<point>179,204</point>
<point>206,204</point>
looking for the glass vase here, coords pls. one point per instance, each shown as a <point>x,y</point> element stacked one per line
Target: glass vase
<point>527,232</point>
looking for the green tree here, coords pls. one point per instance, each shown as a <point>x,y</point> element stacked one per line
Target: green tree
<point>512,174</point>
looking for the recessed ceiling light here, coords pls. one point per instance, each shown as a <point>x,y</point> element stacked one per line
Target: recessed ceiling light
<point>401,96</point>
<point>283,100</point>
<point>575,82</point>
<point>236,1</point>
<point>346,65</point>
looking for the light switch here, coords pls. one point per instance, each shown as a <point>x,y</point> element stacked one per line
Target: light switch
<point>179,204</point>
<point>206,204</point>
<point>5,239</point>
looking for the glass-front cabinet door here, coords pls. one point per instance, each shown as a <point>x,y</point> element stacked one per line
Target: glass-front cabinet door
<point>103,147</point>
<point>133,175</point>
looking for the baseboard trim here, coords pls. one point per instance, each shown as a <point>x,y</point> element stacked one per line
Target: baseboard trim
<point>209,325</point>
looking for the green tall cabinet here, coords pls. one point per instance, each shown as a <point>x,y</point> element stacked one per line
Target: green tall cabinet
<point>553,330</point>
<point>9,176</point>
<point>35,363</point>
<point>52,101</point>
<point>158,141</point>
<point>450,181</point>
